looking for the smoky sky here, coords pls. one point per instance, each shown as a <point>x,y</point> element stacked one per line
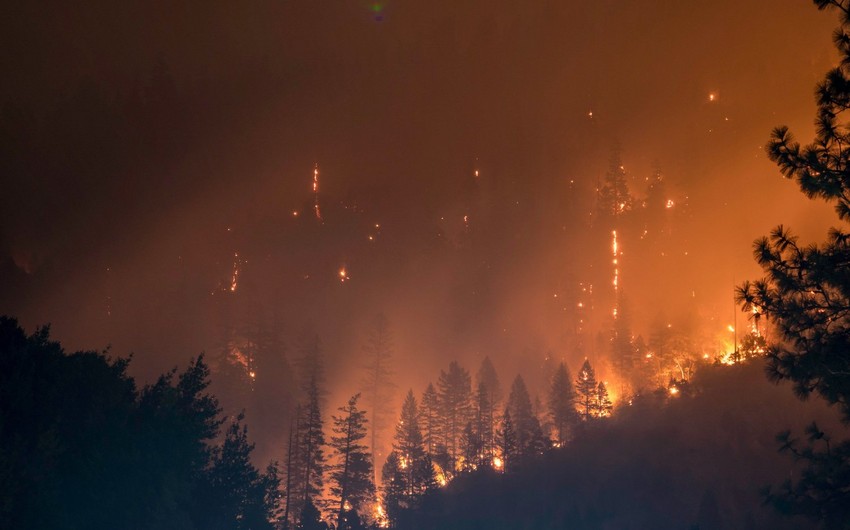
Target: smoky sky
<point>150,145</point>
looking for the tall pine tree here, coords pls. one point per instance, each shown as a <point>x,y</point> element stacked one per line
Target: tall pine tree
<point>529,435</point>
<point>351,476</point>
<point>377,383</point>
<point>455,392</point>
<point>586,391</point>
<point>562,404</point>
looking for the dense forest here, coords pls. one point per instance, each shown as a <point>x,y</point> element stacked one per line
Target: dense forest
<point>674,427</point>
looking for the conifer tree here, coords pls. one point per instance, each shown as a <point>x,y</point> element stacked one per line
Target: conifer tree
<point>562,404</point>
<point>352,474</point>
<point>485,425</point>
<point>603,402</point>
<point>507,442</point>
<point>455,395</point>
<point>470,447</point>
<point>239,496</point>
<point>311,451</point>
<point>408,444</point>
<point>529,435</point>
<point>586,391</point>
<point>806,292</point>
<point>489,378</point>
<point>307,482</point>
<point>429,413</point>
<point>377,384</point>
<point>393,487</point>
<point>408,473</point>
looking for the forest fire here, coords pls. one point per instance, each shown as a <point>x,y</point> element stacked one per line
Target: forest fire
<point>544,270</point>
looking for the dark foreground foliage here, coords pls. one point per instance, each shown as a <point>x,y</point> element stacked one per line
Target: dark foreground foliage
<point>688,462</point>
<point>82,448</point>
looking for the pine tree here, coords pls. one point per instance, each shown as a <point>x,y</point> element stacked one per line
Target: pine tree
<point>377,384</point>
<point>484,425</point>
<point>603,402</point>
<point>308,469</point>
<point>562,404</point>
<point>507,442</point>
<point>393,487</point>
<point>586,390</point>
<point>313,443</point>
<point>455,393</point>
<point>470,448</point>
<point>429,414</point>
<point>352,474</point>
<point>408,473</point>
<point>806,293</point>
<point>240,497</point>
<point>529,435</point>
<point>487,375</point>
<point>408,444</point>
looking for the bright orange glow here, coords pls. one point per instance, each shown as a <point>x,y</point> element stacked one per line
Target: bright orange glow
<point>381,519</point>
<point>316,193</point>
<point>674,391</point>
<point>498,463</point>
<point>234,278</point>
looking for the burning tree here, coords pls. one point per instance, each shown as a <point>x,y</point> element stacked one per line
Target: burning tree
<point>806,293</point>
<point>586,388</point>
<point>408,473</point>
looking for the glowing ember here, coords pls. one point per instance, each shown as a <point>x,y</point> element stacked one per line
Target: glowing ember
<point>674,391</point>
<point>670,203</point>
<point>234,278</point>
<point>498,463</point>
<point>316,192</point>
<point>343,274</point>
<point>380,515</point>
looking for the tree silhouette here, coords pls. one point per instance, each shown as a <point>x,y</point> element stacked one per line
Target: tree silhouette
<point>408,473</point>
<point>586,390</point>
<point>352,474</point>
<point>562,404</point>
<point>377,384</point>
<point>455,398</point>
<point>526,426</point>
<point>806,292</point>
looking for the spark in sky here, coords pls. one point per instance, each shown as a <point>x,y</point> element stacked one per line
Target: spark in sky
<point>343,274</point>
